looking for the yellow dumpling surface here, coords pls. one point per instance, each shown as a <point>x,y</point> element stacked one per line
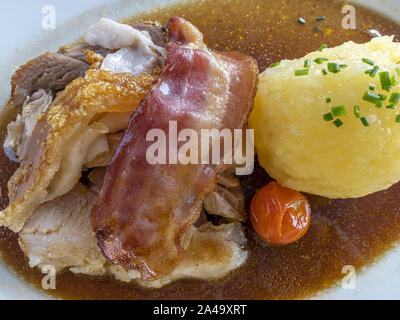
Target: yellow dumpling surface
<point>301,150</point>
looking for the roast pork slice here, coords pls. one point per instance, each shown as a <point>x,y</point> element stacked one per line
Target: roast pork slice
<point>59,234</point>
<point>20,130</point>
<point>214,251</point>
<point>52,71</point>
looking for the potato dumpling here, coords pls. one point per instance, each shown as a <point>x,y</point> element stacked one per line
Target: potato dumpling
<point>349,158</point>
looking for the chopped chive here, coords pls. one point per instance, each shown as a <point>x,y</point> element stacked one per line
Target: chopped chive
<point>343,66</point>
<point>302,21</point>
<point>374,71</point>
<point>324,46</point>
<point>368,71</point>
<point>338,111</point>
<point>328,116</point>
<point>320,18</point>
<point>368,61</point>
<point>316,28</point>
<point>379,104</point>
<point>357,111</point>
<point>397,119</point>
<point>371,97</point>
<point>364,121</point>
<point>301,72</point>
<point>394,80</point>
<point>333,67</point>
<point>328,100</point>
<point>394,98</point>
<point>382,97</point>
<point>320,60</point>
<point>275,64</point>
<point>324,72</point>
<point>386,83</point>
<point>338,123</point>
<point>390,106</point>
<point>307,63</point>
<point>372,87</point>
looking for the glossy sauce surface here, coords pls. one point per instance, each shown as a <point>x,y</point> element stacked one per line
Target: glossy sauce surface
<point>342,232</point>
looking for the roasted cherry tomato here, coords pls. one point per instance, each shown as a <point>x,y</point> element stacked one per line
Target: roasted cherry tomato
<point>279,215</point>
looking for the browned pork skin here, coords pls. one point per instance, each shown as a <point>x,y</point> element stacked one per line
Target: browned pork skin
<point>144,210</point>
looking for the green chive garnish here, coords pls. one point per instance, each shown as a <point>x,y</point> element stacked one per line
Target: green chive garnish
<point>324,46</point>
<point>397,119</point>
<point>320,18</point>
<point>275,64</point>
<point>386,83</point>
<point>301,72</point>
<point>338,123</point>
<point>374,71</point>
<point>390,106</point>
<point>328,116</point>
<point>371,87</point>
<point>394,80</point>
<point>333,67</point>
<point>364,121</point>
<point>382,97</point>
<point>307,63</point>
<point>379,104</point>
<point>368,61</point>
<point>324,72</point>
<point>328,100</point>
<point>394,98</point>
<point>357,111</point>
<point>316,28</point>
<point>302,21</point>
<point>343,66</point>
<point>371,97</point>
<point>338,111</point>
<point>320,60</point>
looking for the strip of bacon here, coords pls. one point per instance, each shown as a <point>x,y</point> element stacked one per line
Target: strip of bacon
<point>144,210</point>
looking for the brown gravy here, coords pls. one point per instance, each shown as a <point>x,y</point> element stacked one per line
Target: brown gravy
<point>343,232</point>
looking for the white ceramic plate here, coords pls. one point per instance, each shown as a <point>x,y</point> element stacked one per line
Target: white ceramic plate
<point>23,38</point>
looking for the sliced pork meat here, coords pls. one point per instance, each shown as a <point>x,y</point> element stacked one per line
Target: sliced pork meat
<point>158,33</point>
<point>144,211</point>
<point>80,127</point>
<point>64,133</point>
<point>52,71</point>
<point>55,71</point>
<point>59,234</point>
<point>20,131</point>
<point>226,202</point>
